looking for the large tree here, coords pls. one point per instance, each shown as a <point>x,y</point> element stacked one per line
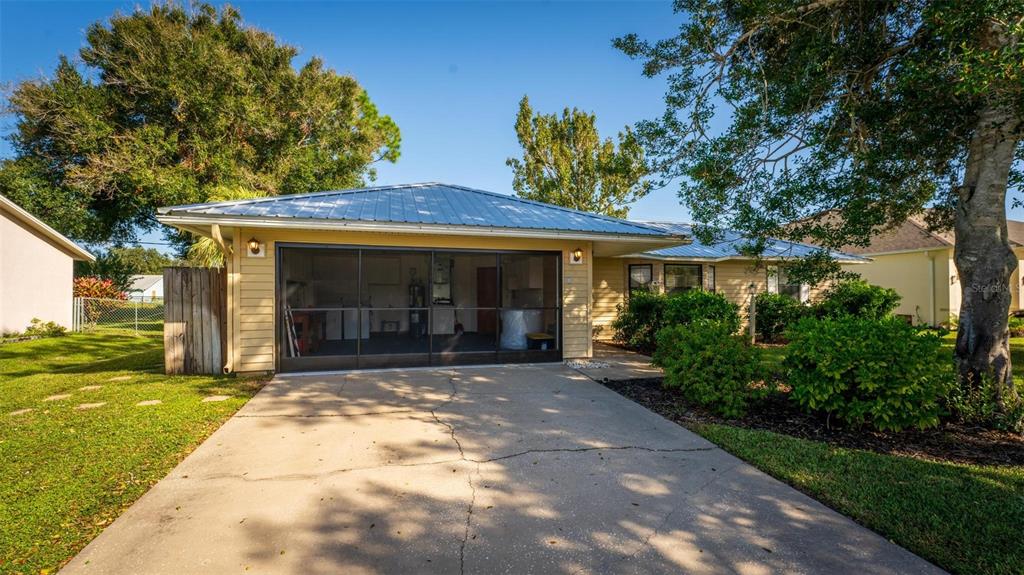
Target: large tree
<point>566,163</point>
<point>170,102</point>
<point>870,110</point>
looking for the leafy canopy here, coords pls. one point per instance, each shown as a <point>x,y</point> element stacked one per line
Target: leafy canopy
<point>566,163</point>
<point>776,111</point>
<point>170,102</point>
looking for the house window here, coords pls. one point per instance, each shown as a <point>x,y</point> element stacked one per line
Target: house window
<point>682,277</point>
<point>779,282</point>
<point>709,278</point>
<point>641,277</point>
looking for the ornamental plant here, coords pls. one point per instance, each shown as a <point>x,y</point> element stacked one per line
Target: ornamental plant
<point>639,320</point>
<point>711,366</point>
<point>92,286</point>
<point>858,298</point>
<point>694,305</point>
<point>775,313</point>
<point>882,373</point>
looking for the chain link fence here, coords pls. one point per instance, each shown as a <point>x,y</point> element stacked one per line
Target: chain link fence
<point>127,315</point>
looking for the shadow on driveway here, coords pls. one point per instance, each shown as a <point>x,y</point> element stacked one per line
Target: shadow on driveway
<point>477,470</point>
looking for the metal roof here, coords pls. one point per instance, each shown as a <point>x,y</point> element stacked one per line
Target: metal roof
<point>144,282</point>
<point>730,244</point>
<point>420,204</point>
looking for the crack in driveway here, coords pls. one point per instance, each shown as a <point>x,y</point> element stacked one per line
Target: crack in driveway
<point>314,415</point>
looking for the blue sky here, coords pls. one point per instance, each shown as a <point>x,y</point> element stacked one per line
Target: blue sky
<point>451,74</point>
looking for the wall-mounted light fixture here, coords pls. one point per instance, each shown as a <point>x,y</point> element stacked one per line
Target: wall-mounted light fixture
<point>577,256</point>
<point>254,247</point>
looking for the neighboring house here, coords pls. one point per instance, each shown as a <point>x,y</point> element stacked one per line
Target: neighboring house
<point>918,264</point>
<point>147,288</point>
<point>36,270</point>
<point>720,267</point>
<point>423,274</point>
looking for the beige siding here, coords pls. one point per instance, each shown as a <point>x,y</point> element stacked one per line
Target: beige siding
<point>609,293</point>
<point>732,279</point>
<point>252,284</point>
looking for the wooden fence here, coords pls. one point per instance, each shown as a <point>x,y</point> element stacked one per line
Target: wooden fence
<point>195,328</point>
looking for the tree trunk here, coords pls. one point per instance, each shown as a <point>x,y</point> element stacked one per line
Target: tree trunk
<point>983,255</point>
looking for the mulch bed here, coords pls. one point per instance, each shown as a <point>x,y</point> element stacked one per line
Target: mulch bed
<point>948,442</point>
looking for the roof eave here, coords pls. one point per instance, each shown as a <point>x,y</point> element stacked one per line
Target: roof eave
<point>62,242</point>
<point>730,258</point>
<point>196,224</point>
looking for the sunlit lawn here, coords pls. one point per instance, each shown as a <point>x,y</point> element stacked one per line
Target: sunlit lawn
<point>65,473</point>
<point>964,518</point>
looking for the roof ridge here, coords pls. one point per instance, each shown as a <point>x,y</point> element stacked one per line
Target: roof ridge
<point>546,205</point>
<point>278,197</point>
<point>923,226</point>
<point>791,243</point>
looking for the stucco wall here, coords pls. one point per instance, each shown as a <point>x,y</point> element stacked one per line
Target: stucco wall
<point>252,280</point>
<point>35,278</point>
<point>909,274</point>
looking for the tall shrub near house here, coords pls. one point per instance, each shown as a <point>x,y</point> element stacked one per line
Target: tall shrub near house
<point>775,313</point>
<point>711,365</point>
<point>639,320</point>
<point>686,307</point>
<point>858,298</point>
<point>877,372</point>
<point>646,313</point>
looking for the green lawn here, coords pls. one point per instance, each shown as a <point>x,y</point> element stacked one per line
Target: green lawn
<point>66,473</point>
<point>964,518</point>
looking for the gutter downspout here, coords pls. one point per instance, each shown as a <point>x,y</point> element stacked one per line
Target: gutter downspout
<point>931,287</point>
<point>225,249</point>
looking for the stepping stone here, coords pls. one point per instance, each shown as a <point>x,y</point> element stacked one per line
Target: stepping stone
<point>90,405</point>
<point>216,398</point>
<point>120,378</point>
<point>149,402</point>
<point>57,397</point>
<point>21,411</point>
<point>90,387</point>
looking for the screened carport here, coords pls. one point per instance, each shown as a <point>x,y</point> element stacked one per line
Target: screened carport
<point>346,307</point>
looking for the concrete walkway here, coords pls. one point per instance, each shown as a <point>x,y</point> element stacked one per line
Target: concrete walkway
<point>486,470</point>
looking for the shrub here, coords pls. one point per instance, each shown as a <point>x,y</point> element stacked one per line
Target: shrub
<point>1016,325</point>
<point>775,313</point>
<point>39,328</point>
<point>879,372</point>
<point>979,405</point>
<point>92,286</point>
<point>639,320</point>
<point>694,305</point>
<point>710,366</point>
<point>857,298</point>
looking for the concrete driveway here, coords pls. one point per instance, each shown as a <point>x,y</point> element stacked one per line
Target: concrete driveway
<point>477,470</point>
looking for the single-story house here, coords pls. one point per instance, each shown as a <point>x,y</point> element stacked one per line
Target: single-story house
<point>721,266</point>
<point>36,269</point>
<point>435,274</point>
<point>918,264</point>
<point>423,274</point>
<point>148,287</point>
